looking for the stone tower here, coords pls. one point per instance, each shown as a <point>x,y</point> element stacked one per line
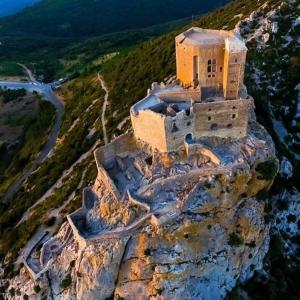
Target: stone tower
<point>212,60</point>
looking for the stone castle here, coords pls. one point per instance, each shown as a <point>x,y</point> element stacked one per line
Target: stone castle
<point>169,193</point>
<point>210,100</point>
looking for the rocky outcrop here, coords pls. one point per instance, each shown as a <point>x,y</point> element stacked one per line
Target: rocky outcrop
<point>204,230</point>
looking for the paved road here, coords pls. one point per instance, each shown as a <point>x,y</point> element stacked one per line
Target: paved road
<point>46,91</point>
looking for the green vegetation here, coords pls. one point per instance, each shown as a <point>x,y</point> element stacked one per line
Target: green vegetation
<point>34,134</point>
<point>64,18</point>
<point>268,169</point>
<point>66,282</point>
<point>235,240</point>
<point>37,289</point>
<point>8,95</point>
<point>72,264</point>
<point>61,37</point>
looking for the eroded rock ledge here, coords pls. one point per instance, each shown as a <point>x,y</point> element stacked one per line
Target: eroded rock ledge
<point>177,226</point>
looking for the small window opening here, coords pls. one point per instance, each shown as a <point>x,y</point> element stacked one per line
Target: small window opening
<point>149,161</point>
<point>214,65</point>
<point>209,118</point>
<point>214,126</point>
<point>209,66</point>
<point>221,69</point>
<point>174,128</point>
<point>234,107</point>
<point>229,126</point>
<point>233,116</point>
<point>188,123</point>
<point>189,137</point>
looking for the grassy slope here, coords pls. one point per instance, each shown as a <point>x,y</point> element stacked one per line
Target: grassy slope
<point>34,135</point>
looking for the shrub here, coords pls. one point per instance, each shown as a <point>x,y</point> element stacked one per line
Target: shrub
<point>268,169</point>
<point>235,240</point>
<point>66,282</point>
<point>72,264</point>
<point>51,221</point>
<point>12,292</point>
<point>252,244</point>
<point>291,218</point>
<point>36,289</point>
<point>147,252</point>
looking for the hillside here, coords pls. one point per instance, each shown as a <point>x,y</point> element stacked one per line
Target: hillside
<point>81,18</point>
<point>11,7</point>
<point>270,79</point>
<point>60,37</point>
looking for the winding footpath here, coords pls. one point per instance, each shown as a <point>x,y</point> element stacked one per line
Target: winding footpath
<point>105,103</point>
<point>46,91</point>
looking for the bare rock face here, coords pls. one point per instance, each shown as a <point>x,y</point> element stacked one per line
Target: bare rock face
<point>191,233</point>
<point>198,254</point>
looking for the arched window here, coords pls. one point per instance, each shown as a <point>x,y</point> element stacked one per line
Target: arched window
<point>189,138</point>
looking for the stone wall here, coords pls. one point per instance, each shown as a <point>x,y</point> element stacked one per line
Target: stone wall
<point>222,119</point>
<point>107,181</point>
<point>225,72</point>
<point>234,67</point>
<point>150,127</point>
<point>184,95</point>
<point>121,144</point>
<point>177,128</point>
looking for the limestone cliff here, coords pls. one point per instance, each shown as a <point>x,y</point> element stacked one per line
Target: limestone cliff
<point>198,238</point>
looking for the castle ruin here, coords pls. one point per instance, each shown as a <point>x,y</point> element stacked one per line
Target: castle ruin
<point>210,99</point>
<point>185,134</point>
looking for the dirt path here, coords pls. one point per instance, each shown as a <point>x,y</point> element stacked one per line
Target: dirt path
<point>28,72</point>
<point>104,106</point>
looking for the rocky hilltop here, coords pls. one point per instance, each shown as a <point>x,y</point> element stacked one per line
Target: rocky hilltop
<point>193,229</point>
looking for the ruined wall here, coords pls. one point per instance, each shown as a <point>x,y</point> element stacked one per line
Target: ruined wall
<point>121,144</point>
<point>177,128</point>
<point>222,118</point>
<point>183,95</point>
<point>150,127</point>
<point>107,181</point>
